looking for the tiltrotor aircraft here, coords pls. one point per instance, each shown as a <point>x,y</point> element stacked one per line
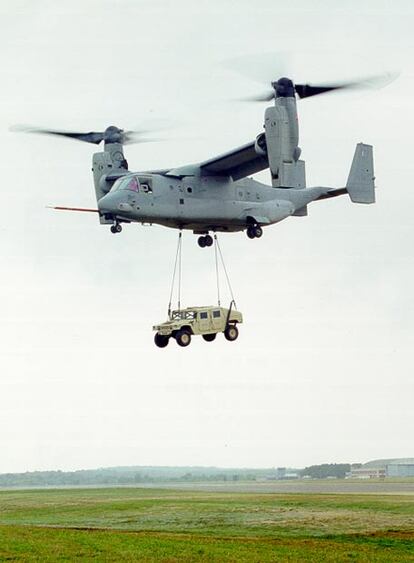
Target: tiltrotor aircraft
<point>217,195</point>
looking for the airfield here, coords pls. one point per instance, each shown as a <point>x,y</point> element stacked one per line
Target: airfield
<point>317,486</point>
<point>302,521</point>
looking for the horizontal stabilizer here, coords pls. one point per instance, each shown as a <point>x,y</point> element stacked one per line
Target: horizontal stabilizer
<point>360,184</point>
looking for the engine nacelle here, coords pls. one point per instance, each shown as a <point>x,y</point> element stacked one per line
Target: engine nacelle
<point>282,136</point>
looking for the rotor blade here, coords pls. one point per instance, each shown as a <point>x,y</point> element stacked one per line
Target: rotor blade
<point>134,138</point>
<point>91,137</point>
<point>265,97</point>
<point>308,90</point>
<point>260,67</point>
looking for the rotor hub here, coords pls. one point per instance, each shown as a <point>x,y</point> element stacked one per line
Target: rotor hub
<point>113,134</point>
<point>284,88</point>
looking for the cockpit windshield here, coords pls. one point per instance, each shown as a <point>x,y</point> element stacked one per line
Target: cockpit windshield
<point>142,184</point>
<point>128,183</point>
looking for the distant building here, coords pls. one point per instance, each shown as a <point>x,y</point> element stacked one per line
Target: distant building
<point>291,476</point>
<point>380,468</point>
<point>368,473</point>
<point>287,473</point>
<point>400,469</point>
<point>280,472</point>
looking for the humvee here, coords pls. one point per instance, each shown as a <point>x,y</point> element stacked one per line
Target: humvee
<point>207,321</point>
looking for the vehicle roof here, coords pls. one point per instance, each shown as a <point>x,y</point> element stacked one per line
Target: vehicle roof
<point>200,308</point>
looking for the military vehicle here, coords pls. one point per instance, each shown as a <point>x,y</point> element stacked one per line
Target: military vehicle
<point>218,194</point>
<point>207,321</point>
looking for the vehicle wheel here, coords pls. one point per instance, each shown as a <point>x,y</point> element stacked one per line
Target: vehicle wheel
<point>231,333</point>
<point>209,337</point>
<point>113,229</point>
<point>258,231</point>
<point>201,242</point>
<point>208,239</point>
<point>160,340</point>
<point>250,232</point>
<point>183,338</point>
<point>118,228</point>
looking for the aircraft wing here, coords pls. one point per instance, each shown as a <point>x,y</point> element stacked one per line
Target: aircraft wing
<point>236,163</point>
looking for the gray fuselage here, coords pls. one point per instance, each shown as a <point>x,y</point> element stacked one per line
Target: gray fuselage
<point>201,203</point>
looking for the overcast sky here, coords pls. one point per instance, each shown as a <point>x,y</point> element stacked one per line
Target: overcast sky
<point>323,368</point>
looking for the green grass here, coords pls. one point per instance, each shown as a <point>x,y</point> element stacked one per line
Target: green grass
<point>126,524</point>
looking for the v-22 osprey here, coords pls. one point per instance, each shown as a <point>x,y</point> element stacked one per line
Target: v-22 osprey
<point>218,194</point>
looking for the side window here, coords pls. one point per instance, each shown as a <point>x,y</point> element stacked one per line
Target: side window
<point>145,185</point>
<point>145,188</point>
<point>203,315</point>
<point>216,314</point>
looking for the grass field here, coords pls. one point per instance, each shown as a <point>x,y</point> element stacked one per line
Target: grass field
<point>128,524</point>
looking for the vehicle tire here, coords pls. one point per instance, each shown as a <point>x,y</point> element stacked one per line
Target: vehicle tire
<point>208,239</point>
<point>250,232</point>
<point>183,338</point>
<point>113,229</point>
<point>258,231</point>
<point>201,242</point>
<point>160,340</point>
<point>209,337</point>
<point>118,228</point>
<point>231,332</point>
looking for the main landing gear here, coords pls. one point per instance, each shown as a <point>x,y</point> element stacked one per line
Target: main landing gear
<point>254,231</point>
<point>116,228</point>
<point>205,240</point>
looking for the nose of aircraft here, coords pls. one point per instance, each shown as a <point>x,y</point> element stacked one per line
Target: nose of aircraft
<point>111,203</point>
<point>106,204</point>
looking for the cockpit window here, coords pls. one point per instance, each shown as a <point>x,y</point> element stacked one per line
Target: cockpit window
<point>134,184</point>
<point>128,183</point>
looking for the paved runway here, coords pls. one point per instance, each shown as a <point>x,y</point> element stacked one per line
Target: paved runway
<point>315,486</point>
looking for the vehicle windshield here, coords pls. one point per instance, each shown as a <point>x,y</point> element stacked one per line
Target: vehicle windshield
<point>128,183</point>
<point>185,315</point>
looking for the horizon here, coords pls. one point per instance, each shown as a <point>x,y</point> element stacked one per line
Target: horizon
<point>252,468</point>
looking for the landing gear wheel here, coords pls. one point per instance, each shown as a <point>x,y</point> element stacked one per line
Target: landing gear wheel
<point>254,231</point>
<point>231,333</point>
<point>201,242</point>
<point>117,228</point>
<point>208,240</point>
<point>183,338</point>
<point>209,337</point>
<point>258,231</point>
<point>160,340</point>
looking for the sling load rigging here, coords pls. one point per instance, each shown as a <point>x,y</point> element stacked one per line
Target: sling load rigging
<point>207,321</point>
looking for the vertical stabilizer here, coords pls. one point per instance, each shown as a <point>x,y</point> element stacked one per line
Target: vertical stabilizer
<point>360,184</point>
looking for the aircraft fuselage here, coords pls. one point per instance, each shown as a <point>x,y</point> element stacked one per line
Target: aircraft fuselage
<point>201,203</point>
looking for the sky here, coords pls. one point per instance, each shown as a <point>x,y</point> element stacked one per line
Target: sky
<point>322,370</point>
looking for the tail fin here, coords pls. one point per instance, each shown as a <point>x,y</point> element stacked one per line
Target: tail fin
<point>360,184</point>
